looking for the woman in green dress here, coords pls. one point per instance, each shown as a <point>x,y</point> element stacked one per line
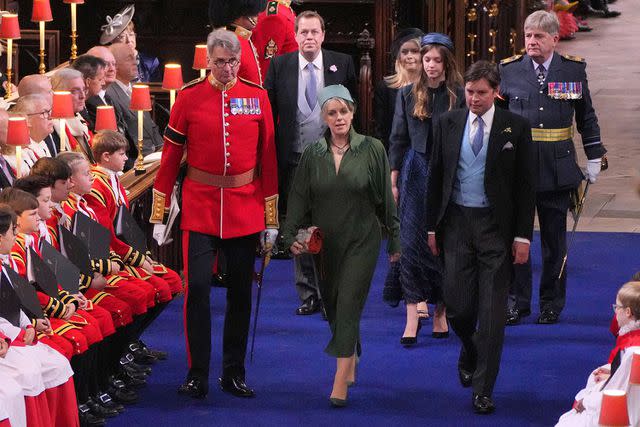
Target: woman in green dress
<point>342,186</point>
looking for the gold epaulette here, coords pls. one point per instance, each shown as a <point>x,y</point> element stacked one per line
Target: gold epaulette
<point>193,82</point>
<point>510,59</point>
<point>250,83</point>
<point>573,58</point>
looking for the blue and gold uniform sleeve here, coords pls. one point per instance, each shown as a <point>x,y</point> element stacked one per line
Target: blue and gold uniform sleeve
<point>587,121</point>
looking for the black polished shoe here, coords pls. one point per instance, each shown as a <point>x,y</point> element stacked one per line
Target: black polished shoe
<point>466,368</point>
<point>193,388</point>
<point>309,306</point>
<point>411,341</point>
<point>514,316</point>
<point>440,335</point>
<point>105,400</point>
<point>158,354</point>
<point>548,317</point>
<point>120,393</point>
<point>611,14</point>
<point>127,362</point>
<point>140,355</point>
<point>235,386</point>
<point>100,411</point>
<point>131,381</point>
<point>482,404</point>
<point>87,419</point>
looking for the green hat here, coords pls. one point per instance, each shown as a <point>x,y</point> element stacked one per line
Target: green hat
<point>333,91</point>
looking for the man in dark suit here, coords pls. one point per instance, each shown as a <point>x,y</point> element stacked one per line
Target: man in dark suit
<point>120,93</point>
<point>40,84</point>
<point>7,177</point>
<point>480,207</point>
<point>548,89</point>
<point>293,81</point>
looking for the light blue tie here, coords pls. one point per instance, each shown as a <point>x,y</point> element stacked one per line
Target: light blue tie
<point>476,144</point>
<point>312,87</point>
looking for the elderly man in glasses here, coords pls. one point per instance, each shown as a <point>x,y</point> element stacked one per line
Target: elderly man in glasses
<point>226,127</point>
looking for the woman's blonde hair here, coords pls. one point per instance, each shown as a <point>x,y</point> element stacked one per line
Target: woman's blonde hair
<point>629,296</point>
<point>401,77</point>
<point>453,80</point>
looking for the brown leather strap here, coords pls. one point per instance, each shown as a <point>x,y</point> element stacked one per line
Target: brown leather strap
<point>222,181</point>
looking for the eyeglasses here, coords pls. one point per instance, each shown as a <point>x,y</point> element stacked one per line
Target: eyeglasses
<point>220,63</point>
<point>45,114</point>
<point>616,306</point>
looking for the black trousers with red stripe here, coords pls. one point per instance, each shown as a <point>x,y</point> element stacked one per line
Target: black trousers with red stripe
<point>199,251</point>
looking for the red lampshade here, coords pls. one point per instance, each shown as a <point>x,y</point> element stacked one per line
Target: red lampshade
<point>62,105</point>
<point>41,11</point>
<point>106,118</point>
<point>613,411</point>
<point>172,77</point>
<point>73,1</point>
<point>10,29</point>
<point>18,131</point>
<point>200,58</point>
<point>140,98</point>
<point>634,377</point>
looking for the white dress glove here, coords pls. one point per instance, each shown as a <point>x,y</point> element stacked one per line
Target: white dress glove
<point>268,238</point>
<point>593,169</point>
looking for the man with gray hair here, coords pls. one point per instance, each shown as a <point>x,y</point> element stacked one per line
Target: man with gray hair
<point>226,127</point>
<point>77,132</point>
<point>549,89</point>
<point>37,109</point>
<point>40,84</point>
<point>7,176</point>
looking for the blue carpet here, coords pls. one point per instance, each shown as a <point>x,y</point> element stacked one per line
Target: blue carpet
<point>542,366</point>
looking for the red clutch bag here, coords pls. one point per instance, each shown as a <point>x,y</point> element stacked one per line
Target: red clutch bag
<point>311,238</point>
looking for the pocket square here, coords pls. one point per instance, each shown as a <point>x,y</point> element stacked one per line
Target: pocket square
<point>507,146</point>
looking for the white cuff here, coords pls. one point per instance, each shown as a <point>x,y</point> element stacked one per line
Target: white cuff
<point>522,240</point>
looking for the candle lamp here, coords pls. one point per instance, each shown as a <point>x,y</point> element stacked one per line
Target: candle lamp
<point>62,110</point>
<point>201,60</point>
<point>140,102</point>
<point>41,13</point>
<point>74,26</point>
<point>172,81</point>
<point>10,30</point>
<point>613,410</point>
<point>105,118</point>
<point>18,136</point>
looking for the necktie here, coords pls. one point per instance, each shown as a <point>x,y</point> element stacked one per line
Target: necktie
<point>6,169</point>
<point>312,87</point>
<point>541,76</point>
<point>476,144</point>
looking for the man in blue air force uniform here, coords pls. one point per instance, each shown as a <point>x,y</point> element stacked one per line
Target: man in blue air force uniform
<point>548,88</point>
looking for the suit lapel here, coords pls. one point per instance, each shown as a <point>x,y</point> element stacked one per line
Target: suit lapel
<point>451,150</point>
<point>291,81</point>
<point>554,70</point>
<point>495,139</point>
<point>528,72</point>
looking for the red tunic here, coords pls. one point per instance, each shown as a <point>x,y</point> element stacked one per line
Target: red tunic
<point>275,32</point>
<point>630,339</point>
<point>222,137</point>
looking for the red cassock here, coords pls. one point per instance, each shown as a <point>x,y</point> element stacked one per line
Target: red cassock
<point>227,131</point>
<point>275,32</point>
<point>249,65</point>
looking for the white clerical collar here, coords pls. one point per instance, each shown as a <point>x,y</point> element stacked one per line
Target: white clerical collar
<point>317,63</point>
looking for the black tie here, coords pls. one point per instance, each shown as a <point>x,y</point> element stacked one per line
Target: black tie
<point>541,71</point>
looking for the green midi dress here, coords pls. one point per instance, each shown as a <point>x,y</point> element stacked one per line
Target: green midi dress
<point>349,207</point>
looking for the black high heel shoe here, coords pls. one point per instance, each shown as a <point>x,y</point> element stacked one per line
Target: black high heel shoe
<point>411,341</point>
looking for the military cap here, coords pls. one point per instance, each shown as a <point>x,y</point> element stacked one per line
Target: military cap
<point>224,12</point>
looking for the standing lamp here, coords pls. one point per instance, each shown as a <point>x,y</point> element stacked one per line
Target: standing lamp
<point>41,13</point>
<point>172,81</point>
<point>140,102</point>
<point>201,60</point>
<point>105,118</point>
<point>613,411</point>
<point>10,30</point>
<point>18,136</point>
<point>74,26</point>
<point>62,110</point>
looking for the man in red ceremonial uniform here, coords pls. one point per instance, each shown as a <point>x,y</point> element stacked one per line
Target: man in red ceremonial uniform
<point>240,17</point>
<point>275,32</point>
<point>229,194</point>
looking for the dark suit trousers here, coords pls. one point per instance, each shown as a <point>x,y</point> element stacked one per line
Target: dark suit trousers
<point>552,209</point>
<point>304,267</point>
<point>199,252</point>
<point>477,269</point>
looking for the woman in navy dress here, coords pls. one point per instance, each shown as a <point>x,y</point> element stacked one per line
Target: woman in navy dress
<point>438,90</point>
